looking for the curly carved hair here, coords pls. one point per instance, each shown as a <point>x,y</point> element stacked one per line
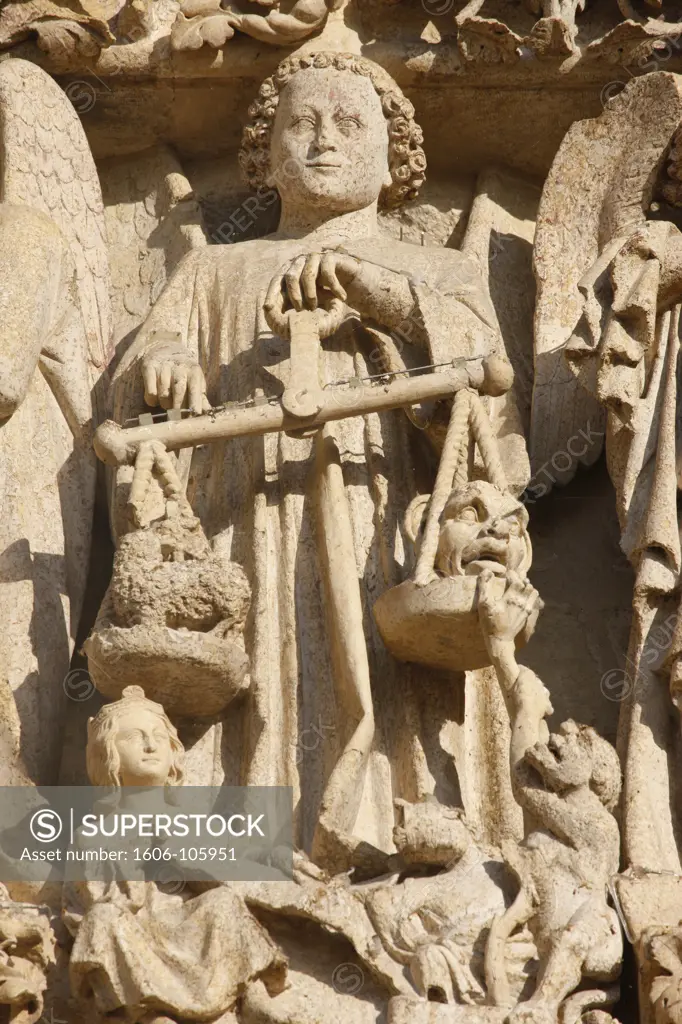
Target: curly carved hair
<point>407,162</point>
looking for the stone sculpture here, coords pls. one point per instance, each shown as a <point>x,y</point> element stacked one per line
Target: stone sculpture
<point>27,951</point>
<point>174,613</point>
<point>134,956</point>
<point>437,925</point>
<point>317,453</point>
<point>628,274</point>
<point>77,31</point>
<point>569,784</point>
<point>55,345</point>
<point>335,137</point>
<point>207,22</point>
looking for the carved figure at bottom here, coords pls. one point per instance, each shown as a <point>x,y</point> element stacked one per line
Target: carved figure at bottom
<point>27,946</point>
<point>142,955</point>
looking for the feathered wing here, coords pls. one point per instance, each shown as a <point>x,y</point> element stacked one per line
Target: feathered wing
<point>153,219</point>
<point>598,191</point>
<point>499,237</point>
<point>46,163</point>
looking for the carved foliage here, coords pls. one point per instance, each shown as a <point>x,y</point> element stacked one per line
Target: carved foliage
<point>61,29</point>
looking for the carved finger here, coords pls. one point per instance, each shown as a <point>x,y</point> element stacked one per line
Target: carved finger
<point>328,278</point>
<point>485,590</point>
<point>198,402</point>
<point>292,279</point>
<point>515,583</point>
<point>532,596</point>
<point>164,384</point>
<point>273,299</point>
<point>180,375</point>
<point>149,372</point>
<point>309,280</point>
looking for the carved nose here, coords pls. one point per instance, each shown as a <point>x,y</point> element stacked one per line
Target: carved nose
<point>325,139</point>
<point>499,528</point>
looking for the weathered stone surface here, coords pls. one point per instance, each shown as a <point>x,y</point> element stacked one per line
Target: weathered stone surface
<point>339,396</point>
<point>54,307</point>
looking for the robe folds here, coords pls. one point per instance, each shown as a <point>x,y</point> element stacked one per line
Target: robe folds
<point>317,524</point>
<point>138,949</point>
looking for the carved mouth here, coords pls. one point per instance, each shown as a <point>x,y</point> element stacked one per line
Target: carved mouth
<point>325,166</point>
<point>487,553</point>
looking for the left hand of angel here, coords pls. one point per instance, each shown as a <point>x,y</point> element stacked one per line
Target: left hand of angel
<point>311,278</point>
<point>307,279</point>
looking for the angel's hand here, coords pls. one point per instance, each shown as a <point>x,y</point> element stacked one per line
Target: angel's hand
<point>173,379</point>
<point>308,279</point>
<point>376,293</point>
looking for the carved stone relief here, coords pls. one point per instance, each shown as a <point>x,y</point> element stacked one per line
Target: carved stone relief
<point>321,446</point>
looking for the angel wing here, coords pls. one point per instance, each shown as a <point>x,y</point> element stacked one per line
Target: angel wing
<point>499,237</point>
<point>152,218</point>
<point>46,163</point>
<point>598,191</point>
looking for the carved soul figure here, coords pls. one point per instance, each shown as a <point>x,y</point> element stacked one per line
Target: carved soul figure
<point>337,139</point>
<point>142,954</point>
<point>568,784</point>
<point>54,337</point>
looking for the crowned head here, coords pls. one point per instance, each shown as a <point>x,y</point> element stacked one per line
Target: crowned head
<point>132,742</point>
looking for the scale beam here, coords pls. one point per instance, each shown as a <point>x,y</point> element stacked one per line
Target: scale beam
<point>118,446</point>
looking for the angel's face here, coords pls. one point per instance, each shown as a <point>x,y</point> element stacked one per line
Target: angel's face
<point>483,528</point>
<point>329,142</point>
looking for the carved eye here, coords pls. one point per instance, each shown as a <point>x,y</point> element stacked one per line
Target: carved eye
<point>348,124</point>
<point>515,528</point>
<point>303,124</point>
<point>468,515</point>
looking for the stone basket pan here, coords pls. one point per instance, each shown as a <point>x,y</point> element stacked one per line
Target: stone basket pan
<point>193,674</point>
<point>436,624</point>
<point>430,619</point>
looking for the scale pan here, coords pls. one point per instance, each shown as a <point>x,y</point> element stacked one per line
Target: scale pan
<point>436,624</point>
<point>194,675</point>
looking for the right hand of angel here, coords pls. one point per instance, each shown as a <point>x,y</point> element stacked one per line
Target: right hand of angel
<point>174,380</point>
